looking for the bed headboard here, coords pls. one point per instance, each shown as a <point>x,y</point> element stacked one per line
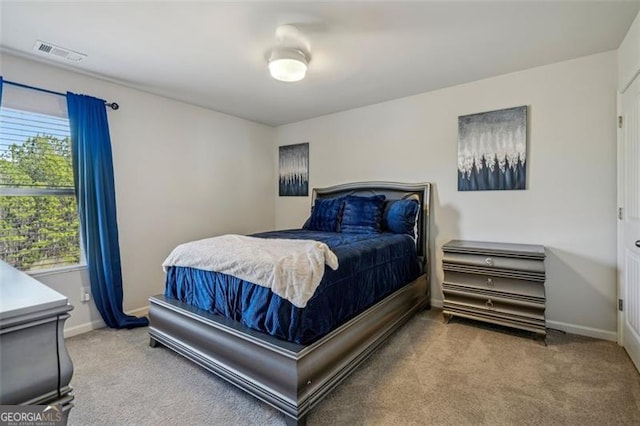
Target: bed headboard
<point>393,191</point>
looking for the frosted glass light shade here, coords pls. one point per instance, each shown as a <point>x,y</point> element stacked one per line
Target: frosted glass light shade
<point>288,65</point>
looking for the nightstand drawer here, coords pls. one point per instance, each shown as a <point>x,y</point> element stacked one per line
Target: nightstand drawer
<point>496,307</point>
<point>495,262</point>
<point>517,321</point>
<point>497,284</point>
<point>451,290</point>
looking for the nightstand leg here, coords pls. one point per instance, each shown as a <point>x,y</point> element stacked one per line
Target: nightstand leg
<point>541,337</point>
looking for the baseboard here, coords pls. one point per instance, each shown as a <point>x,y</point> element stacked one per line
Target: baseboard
<point>583,331</point>
<point>94,325</point>
<point>140,312</point>
<point>568,328</point>
<point>83,328</point>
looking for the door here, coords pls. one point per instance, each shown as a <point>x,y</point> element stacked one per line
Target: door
<point>629,230</point>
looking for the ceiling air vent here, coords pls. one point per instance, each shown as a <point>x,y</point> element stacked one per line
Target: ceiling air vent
<point>50,49</point>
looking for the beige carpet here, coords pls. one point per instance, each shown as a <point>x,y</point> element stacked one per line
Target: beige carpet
<point>428,373</point>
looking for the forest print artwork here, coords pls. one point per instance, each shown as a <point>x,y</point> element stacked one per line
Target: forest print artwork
<point>492,149</point>
<point>294,170</point>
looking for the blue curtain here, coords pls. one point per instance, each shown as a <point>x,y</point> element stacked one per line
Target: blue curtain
<point>95,192</point>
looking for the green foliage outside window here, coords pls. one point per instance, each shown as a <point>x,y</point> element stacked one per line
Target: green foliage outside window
<point>38,231</point>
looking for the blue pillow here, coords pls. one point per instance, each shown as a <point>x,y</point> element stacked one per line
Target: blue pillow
<point>325,215</point>
<point>362,215</point>
<point>400,216</point>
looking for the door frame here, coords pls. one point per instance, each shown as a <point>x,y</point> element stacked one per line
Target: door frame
<point>619,230</point>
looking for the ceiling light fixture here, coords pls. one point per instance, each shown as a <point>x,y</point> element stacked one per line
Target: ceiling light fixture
<point>289,58</point>
<point>287,64</point>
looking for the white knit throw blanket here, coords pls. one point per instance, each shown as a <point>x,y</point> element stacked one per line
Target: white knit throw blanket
<point>292,269</point>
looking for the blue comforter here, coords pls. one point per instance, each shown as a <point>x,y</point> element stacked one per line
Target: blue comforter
<point>371,267</point>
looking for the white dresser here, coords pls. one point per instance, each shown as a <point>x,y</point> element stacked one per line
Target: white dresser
<point>35,367</point>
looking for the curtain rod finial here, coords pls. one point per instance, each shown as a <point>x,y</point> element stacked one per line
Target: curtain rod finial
<point>114,106</point>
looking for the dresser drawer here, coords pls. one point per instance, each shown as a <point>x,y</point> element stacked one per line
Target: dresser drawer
<point>495,262</point>
<point>495,283</point>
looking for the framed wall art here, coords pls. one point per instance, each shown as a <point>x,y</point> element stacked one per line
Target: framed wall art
<point>492,150</point>
<point>294,170</point>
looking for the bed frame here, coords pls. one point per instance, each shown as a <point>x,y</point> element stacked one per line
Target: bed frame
<point>290,377</point>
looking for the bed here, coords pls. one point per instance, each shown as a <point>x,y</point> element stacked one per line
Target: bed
<point>293,368</point>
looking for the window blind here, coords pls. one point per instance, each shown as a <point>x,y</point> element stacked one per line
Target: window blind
<point>39,227</point>
<point>35,150</point>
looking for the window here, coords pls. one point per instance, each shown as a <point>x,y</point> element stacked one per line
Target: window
<point>39,226</point>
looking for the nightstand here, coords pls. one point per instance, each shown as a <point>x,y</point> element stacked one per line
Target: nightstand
<point>498,283</point>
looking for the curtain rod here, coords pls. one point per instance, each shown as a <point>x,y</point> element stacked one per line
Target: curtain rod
<point>114,106</point>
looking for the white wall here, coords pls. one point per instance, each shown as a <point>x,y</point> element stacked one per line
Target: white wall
<point>182,173</point>
<point>570,202</point>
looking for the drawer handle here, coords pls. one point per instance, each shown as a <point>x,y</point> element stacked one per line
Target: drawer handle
<point>489,282</point>
<point>489,261</point>
<point>488,304</point>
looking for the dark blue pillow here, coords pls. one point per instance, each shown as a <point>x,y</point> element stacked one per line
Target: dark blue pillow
<point>325,215</point>
<point>400,216</point>
<point>362,215</point>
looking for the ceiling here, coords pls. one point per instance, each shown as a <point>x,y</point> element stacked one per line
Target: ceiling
<point>215,54</point>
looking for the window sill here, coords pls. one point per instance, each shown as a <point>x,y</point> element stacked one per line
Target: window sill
<point>54,271</point>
